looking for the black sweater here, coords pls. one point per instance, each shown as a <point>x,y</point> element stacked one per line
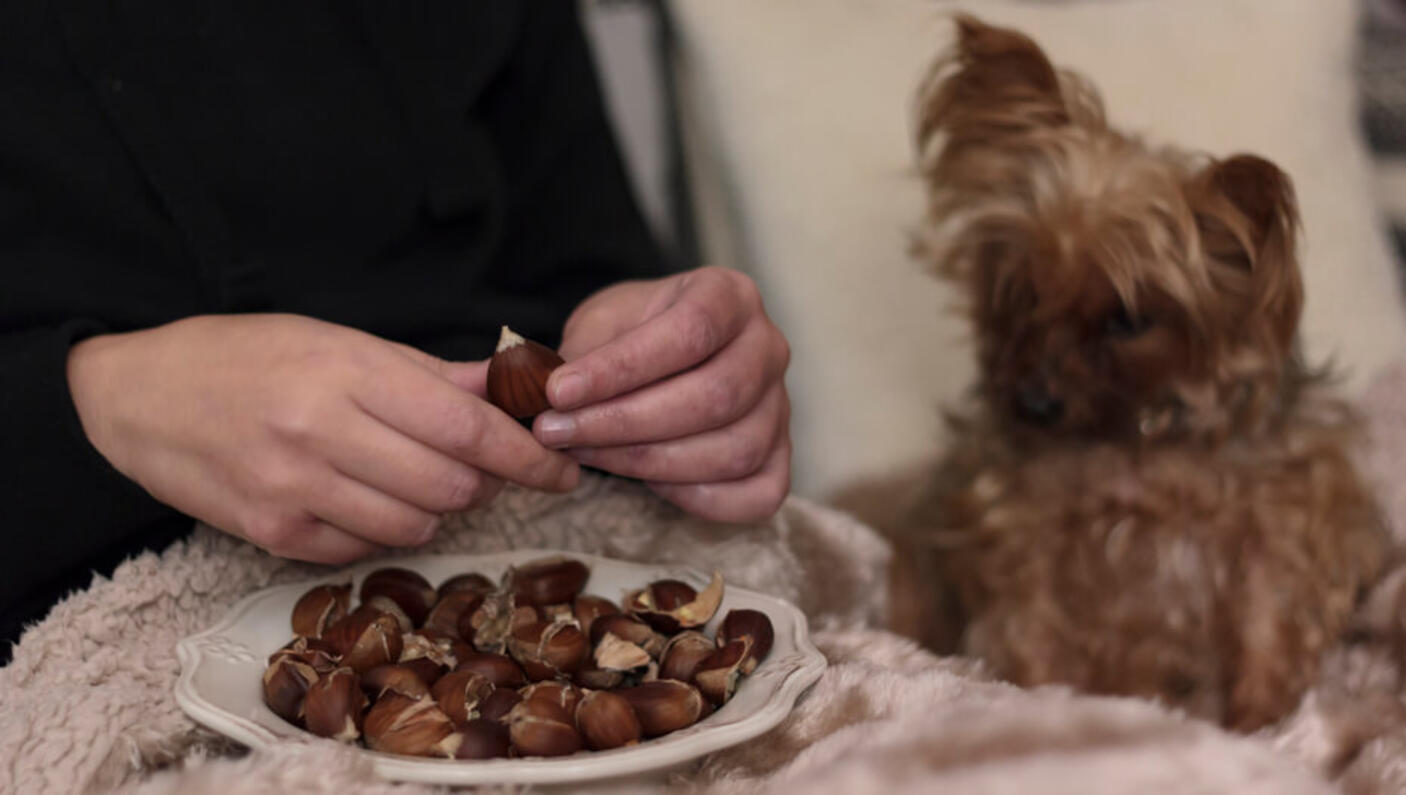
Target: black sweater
<point>425,171</point>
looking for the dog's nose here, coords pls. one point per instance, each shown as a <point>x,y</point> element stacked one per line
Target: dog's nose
<point>1035,404</point>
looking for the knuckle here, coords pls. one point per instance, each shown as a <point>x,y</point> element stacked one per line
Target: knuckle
<point>465,424</point>
<point>461,488</point>
<point>721,399</point>
<point>698,333</point>
<point>275,531</point>
<point>745,459</point>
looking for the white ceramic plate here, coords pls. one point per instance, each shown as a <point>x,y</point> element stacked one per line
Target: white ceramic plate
<point>221,669</point>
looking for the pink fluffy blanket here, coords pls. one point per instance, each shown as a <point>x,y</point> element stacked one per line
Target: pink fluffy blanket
<point>87,704</point>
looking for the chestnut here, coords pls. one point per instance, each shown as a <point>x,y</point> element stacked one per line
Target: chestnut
<point>751,624</point>
<point>483,739</point>
<point>716,676</point>
<point>586,608</point>
<point>286,683</point>
<point>366,638</point>
<point>394,678</point>
<point>319,608</point>
<point>517,375</point>
<point>459,694</point>
<point>445,614</point>
<point>664,705</point>
<point>497,668</point>
<point>661,604</point>
<point>392,608</point>
<point>546,651</point>
<point>606,720</point>
<point>548,581</point>
<point>499,703</point>
<point>593,678</point>
<point>539,727</point>
<point>615,654</point>
<point>398,724</point>
<point>683,653</point>
<point>333,704</point>
<point>563,694</point>
<point>412,592</point>
<point>628,628</point>
<point>429,658</point>
<point>473,582</point>
<point>321,655</point>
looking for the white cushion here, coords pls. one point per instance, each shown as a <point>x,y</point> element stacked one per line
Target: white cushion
<point>799,130</point>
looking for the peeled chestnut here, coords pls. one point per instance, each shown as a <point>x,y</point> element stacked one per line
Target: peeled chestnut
<point>366,638</point>
<point>716,676</point>
<point>549,581</point>
<point>683,653</point>
<point>497,668</point>
<point>286,683</point>
<point>606,720</point>
<point>517,375</point>
<point>549,650</point>
<point>670,605</point>
<point>459,694</point>
<point>398,724</point>
<point>406,588</point>
<point>751,624</point>
<point>483,739</point>
<point>664,705</point>
<point>319,608</point>
<point>539,727</point>
<point>333,705</point>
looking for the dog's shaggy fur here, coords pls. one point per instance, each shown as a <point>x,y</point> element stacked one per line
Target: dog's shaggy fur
<point>1152,495</point>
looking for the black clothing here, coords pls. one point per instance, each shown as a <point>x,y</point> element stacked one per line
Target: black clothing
<point>423,171</point>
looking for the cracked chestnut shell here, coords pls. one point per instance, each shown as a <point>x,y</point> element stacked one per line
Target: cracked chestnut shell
<point>752,625</point>
<point>410,591</point>
<point>366,638</point>
<point>333,705</point>
<point>670,605</point>
<point>319,608</point>
<point>398,724</point>
<point>517,375</point>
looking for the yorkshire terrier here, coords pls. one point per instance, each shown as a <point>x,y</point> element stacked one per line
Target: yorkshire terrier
<point>1151,494</point>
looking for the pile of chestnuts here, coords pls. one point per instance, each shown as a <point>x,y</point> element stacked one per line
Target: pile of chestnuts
<point>530,666</point>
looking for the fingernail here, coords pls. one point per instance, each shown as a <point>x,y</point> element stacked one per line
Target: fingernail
<point>428,533</point>
<point>568,389</point>
<point>555,429</point>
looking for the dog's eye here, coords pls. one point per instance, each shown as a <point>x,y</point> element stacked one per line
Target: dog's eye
<point>1122,323</point>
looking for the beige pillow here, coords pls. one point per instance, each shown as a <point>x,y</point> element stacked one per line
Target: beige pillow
<point>799,119</point>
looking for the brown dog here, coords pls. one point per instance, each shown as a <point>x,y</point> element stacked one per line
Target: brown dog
<point>1152,495</point>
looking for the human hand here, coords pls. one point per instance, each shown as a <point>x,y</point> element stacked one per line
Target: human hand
<point>311,440</point>
<point>678,382</point>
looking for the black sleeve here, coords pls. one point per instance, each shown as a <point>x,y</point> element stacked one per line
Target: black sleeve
<point>64,505</point>
<point>571,215</point>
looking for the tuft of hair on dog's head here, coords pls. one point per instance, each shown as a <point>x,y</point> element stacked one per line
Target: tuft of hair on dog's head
<point>1116,289</point>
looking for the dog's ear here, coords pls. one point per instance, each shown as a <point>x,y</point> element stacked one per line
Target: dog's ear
<point>1248,223</point>
<point>994,81</point>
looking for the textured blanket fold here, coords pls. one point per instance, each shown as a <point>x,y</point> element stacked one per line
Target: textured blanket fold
<point>87,704</point>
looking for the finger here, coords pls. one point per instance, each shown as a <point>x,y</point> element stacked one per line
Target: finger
<point>705,315</point>
<point>367,450</point>
<point>702,399</point>
<point>370,514</point>
<point>471,375</point>
<point>750,499</point>
<point>425,407</point>
<point>319,542</point>
<point>735,451</point>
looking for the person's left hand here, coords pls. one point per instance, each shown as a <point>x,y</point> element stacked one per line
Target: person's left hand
<point>678,382</point>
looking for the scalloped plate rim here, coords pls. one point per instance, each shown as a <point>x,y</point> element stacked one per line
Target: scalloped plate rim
<point>653,756</point>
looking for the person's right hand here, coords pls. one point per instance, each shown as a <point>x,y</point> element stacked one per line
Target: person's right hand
<point>311,440</point>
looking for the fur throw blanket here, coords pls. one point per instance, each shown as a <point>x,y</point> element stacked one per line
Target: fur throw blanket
<point>87,704</point>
